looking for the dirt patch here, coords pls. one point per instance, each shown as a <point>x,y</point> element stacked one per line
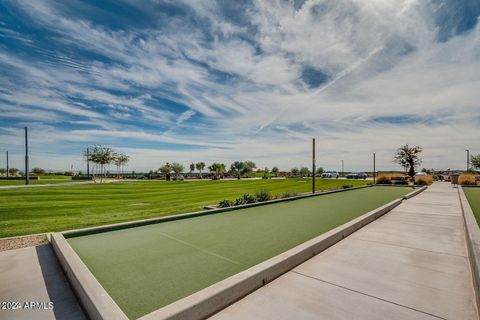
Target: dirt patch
<point>22,242</point>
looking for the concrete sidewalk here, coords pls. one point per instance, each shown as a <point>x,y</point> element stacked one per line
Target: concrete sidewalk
<point>34,275</point>
<point>410,264</point>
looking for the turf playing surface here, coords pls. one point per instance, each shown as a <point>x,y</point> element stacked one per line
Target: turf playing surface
<point>57,208</point>
<point>145,268</point>
<point>473,196</point>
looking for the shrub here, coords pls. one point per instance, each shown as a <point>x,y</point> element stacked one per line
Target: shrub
<point>424,181</point>
<point>400,182</point>
<point>435,178</point>
<point>225,204</point>
<point>384,180</point>
<point>421,181</point>
<point>466,180</point>
<point>347,186</point>
<point>263,195</point>
<point>246,198</point>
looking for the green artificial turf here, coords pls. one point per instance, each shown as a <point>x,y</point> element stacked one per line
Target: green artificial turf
<point>473,196</point>
<point>57,208</point>
<point>145,268</point>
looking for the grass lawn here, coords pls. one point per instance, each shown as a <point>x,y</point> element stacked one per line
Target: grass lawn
<point>40,181</point>
<point>473,196</point>
<point>44,209</point>
<point>145,268</point>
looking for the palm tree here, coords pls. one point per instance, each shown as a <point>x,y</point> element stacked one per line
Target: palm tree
<point>218,169</point>
<point>192,167</point>
<point>200,166</point>
<point>408,157</point>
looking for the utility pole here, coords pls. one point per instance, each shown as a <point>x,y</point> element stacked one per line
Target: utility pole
<point>374,168</point>
<point>343,168</point>
<point>7,164</point>
<point>468,159</point>
<point>88,164</point>
<point>313,165</point>
<point>27,178</point>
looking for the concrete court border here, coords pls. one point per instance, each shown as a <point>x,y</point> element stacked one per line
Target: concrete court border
<point>98,304</point>
<point>473,241</point>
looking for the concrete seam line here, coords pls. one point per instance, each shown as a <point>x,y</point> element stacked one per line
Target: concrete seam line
<point>472,235</point>
<point>138,223</point>
<point>216,297</point>
<point>96,302</point>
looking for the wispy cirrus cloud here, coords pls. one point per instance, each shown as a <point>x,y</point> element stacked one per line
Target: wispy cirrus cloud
<point>220,80</point>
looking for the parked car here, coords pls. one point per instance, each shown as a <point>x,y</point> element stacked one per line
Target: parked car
<point>330,175</point>
<point>357,175</point>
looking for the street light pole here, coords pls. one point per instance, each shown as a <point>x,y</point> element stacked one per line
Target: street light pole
<point>7,164</point>
<point>27,178</point>
<point>313,165</point>
<point>468,159</point>
<point>374,172</point>
<point>88,164</point>
<point>343,168</point>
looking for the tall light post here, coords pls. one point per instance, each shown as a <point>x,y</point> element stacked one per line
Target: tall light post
<point>374,168</point>
<point>88,163</point>
<point>313,165</point>
<point>468,159</point>
<point>27,178</point>
<point>343,168</point>
<point>7,164</point>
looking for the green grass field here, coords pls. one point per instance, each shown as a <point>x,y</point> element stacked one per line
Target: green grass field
<point>145,268</point>
<point>39,181</point>
<point>473,196</point>
<point>44,209</point>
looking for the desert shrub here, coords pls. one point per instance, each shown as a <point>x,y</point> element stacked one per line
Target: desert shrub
<point>384,180</point>
<point>466,180</point>
<point>400,182</point>
<point>244,199</point>
<point>263,195</point>
<point>424,181</point>
<point>435,178</point>
<point>347,186</point>
<point>225,204</point>
<point>421,181</point>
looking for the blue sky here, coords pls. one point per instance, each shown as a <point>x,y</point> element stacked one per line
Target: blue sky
<point>235,80</point>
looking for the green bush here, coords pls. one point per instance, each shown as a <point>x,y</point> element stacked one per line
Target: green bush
<point>225,204</point>
<point>246,198</point>
<point>347,186</point>
<point>263,195</point>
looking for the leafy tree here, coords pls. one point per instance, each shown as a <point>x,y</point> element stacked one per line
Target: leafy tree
<point>218,169</point>
<point>304,171</point>
<point>200,166</point>
<point>177,168</point>
<point>120,160</point>
<point>320,171</point>
<point>101,156</point>
<point>295,172</point>
<point>3,171</point>
<point>475,161</point>
<point>408,157</point>
<point>248,167</point>
<point>13,171</point>
<point>166,169</point>
<point>237,167</point>
<point>192,167</point>
<point>38,171</point>
<point>275,171</point>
